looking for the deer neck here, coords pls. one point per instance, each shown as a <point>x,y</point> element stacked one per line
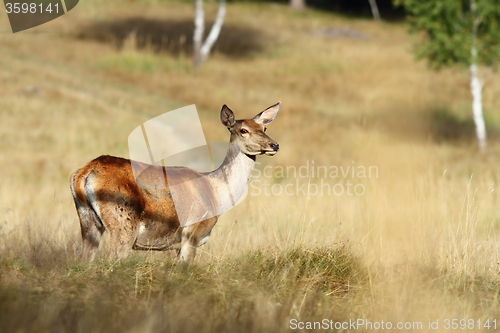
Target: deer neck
<point>230,179</point>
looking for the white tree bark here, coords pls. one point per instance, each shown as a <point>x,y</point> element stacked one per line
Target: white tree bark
<point>215,31</point>
<point>476,88</point>
<point>374,7</point>
<point>199,28</point>
<point>298,4</point>
<point>202,49</point>
<point>476,85</point>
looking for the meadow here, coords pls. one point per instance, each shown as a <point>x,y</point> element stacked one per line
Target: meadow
<point>418,245</point>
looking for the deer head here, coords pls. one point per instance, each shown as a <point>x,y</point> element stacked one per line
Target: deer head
<point>249,134</point>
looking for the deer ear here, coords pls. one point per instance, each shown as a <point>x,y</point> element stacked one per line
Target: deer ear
<point>227,116</point>
<point>268,115</point>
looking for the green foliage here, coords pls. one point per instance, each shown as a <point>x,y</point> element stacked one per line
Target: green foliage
<point>447,28</point>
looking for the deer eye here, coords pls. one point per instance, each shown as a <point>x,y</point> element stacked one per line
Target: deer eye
<point>243,131</point>
<point>265,129</point>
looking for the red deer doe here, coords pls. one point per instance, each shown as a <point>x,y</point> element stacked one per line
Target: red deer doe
<point>141,217</point>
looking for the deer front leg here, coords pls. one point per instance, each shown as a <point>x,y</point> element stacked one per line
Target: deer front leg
<point>194,235</point>
<point>187,251</point>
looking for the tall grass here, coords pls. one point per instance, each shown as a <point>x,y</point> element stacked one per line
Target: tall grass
<point>252,292</point>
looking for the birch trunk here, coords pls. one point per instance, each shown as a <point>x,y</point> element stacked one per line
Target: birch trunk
<point>199,28</point>
<point>202,49</point>
<point>476,85</point>
<point>298,4</point>
<point>374,7</point>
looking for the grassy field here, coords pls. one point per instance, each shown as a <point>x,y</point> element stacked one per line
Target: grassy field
<point>418,244</point>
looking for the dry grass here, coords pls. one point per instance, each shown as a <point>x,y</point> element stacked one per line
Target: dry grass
<point>420,244</point>
<point>255,291</point>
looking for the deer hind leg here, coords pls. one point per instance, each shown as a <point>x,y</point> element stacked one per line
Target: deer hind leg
<point>90,223</point>
<point>121,241</point>
<point>122,227</point>
<point>92,230</point>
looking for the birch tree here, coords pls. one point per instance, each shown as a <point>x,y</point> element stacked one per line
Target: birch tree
<point>201,48</point>
<point>459,32</point>
<point>298,4</point>
<point>374,8</point>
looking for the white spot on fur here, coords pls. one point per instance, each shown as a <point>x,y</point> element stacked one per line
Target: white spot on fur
<point>142,228</point>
